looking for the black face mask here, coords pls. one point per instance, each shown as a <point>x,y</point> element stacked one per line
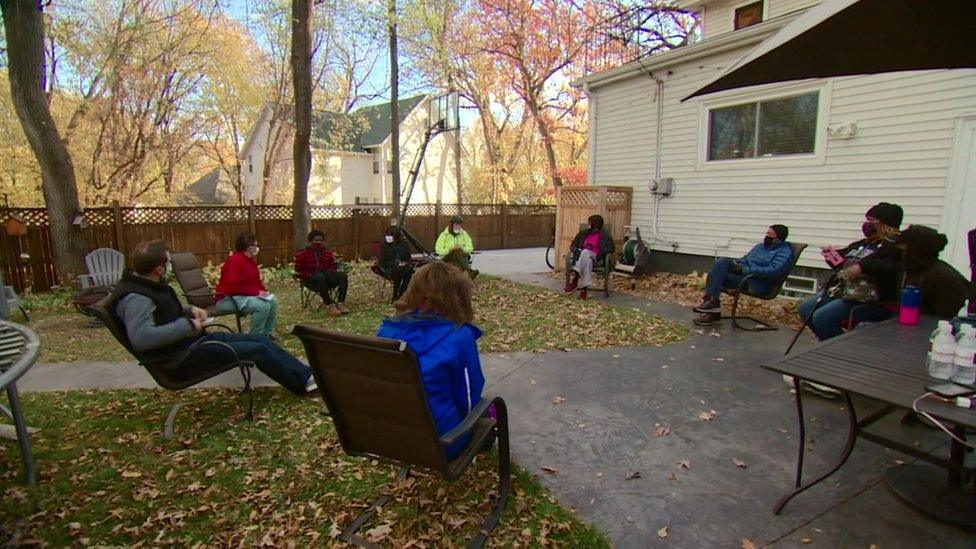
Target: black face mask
<point>769,241</point>
<point>594,228</point>
<point>868,229</point>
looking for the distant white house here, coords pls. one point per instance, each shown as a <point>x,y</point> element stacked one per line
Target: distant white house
<point>813,155</point>
<point>351,156</point>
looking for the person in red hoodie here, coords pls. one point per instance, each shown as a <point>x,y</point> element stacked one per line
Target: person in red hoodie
<point>240,283</point>
<point>316,266</point>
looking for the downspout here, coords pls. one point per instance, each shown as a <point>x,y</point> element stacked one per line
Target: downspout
<point>590,135</point>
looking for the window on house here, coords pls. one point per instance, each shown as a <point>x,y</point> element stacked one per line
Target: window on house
<point>747,15</point>
<point>389,167</point>
<point>376,166</point>
<point>250,165</point>
<point>774,127</point>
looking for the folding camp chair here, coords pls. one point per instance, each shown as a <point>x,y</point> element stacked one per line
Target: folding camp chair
<point>394,424</point>
<point>775,288</point>
<point>170,372</point>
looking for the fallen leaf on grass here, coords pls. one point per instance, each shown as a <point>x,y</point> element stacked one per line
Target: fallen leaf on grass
<point>632,475</point>
<point>718,359</point>
<point>379,533</point>
<point>684,464</point>
<point>550,469</point>
<point>663,532</point>
<point>707,416</point>
<point>807,540</point>
<point>739,463</point>
<point>661,431</point>
<point>558,399</point>
<point>673,477</point>
<point>748,544</point>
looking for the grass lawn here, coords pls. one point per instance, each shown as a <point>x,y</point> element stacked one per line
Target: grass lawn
<point>514,317</point>
<point>106,477</point>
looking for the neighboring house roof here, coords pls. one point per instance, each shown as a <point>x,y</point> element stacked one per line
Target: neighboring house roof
<point>362,128</point>
<point>211,189</point>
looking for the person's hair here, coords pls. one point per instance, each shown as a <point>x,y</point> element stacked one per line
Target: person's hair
<point>457,219</point>
<point>148,255</point>
<point>314,233</point>
<point>885,232</point>
<point>244,240</point>
<point>439,287</point>
<point>596,219</point>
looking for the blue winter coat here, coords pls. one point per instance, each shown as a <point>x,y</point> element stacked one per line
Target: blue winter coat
<point>449,366</point>
<point>770,262</point>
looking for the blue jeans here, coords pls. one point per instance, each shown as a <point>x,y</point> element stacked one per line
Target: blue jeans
<point>263,312</point>
<point>271,359</point>
<point>719,277</point>
<point>832,311</point>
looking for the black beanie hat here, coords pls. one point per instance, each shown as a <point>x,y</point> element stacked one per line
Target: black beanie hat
<point>923,241</point>
<point>782,231</point>
<point>889,214</point>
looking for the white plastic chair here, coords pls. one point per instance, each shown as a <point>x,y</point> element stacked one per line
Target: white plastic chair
<point>104,268</point>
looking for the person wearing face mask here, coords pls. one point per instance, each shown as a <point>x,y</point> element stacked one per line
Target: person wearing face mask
<point>240,284</point>
<point>395,261</point>
<point>589,247</point>
<point>158,326</point>
<point>868,271</point>
<point>316,266</point>
<point>769,260</point>
<point>942,288</point>
<point>454,246</point>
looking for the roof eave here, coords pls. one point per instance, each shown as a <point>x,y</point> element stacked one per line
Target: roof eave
<point>705,48</point>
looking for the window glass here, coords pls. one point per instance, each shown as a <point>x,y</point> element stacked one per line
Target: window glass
<point>748,15</point>
<point>777,127</point>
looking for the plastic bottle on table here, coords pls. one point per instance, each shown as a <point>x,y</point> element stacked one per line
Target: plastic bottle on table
<point>942,348</point>
<point>964,365</point>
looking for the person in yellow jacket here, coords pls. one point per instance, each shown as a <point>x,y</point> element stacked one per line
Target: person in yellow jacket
<point>454,246</point>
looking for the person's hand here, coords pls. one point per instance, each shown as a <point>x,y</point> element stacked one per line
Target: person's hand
<point>852,272</point>
<point>197,324</point>
<point>264,293</point>
<point>197,313</point>
<point>735,267</point>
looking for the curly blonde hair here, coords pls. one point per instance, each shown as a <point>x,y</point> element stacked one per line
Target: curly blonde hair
<point>439,287</point>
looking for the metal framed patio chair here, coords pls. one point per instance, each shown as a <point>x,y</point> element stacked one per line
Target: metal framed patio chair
<point>196,290</point>
<point>604,268</point>
<point>743,289</point>
<point>170,372</point>
<point>394,423</point>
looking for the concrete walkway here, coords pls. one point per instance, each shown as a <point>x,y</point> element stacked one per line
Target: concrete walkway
<point>587,422</point>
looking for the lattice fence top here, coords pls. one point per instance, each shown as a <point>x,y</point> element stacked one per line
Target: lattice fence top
<point>272,213</point>
<point>196,214</point>
<point>618,199</point>
<point>481,209</point>
<point>579,197</point>
<point>34,217</point>
<point>531,209</point>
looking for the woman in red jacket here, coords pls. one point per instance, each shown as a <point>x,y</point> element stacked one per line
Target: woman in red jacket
<point>240,282</point>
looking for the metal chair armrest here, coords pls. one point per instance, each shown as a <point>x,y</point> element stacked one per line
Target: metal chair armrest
<point>199,293</point>
<point>201,343</point>
<point>217,325</point>
<point>470,420</point>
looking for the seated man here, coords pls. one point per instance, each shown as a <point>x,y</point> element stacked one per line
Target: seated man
<point>316,266</point>
<point>156,323</point>
<point>589,247</point>
<point>240,287</point>
<point>454,246</point>
<point>941,287</point>
<point>769,259</point>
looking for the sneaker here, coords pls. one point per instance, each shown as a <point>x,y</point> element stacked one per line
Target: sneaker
<point>583,293</point>
<point>709,305</point>
<point>820,390</point>
<point>570,286</point>
<point>707,319</point>
<point>333,310</point>
<point>342,308</point>
<point>311,386</point>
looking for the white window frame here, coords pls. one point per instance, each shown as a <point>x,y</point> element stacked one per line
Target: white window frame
<point>732,8</point>
<point>778,91</point>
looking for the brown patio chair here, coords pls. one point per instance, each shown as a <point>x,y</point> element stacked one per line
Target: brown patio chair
<point>743,289</point>
<point>170,372</point>
<point>604,269</point>
<point>196,290</point>
<point>373,389</point>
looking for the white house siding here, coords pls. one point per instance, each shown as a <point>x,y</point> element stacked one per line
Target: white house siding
<point>436,180</point>
<point>899,154</point>
<point>252,157</point>
<point>718,15</point>
<point>338,178</point>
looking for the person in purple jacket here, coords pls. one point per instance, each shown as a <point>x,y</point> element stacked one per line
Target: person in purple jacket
<point>768,260</point>
<point>434,319</point>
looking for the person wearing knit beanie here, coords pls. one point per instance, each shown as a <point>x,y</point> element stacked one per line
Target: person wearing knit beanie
<point>887,213</point>
<point>942,288</point>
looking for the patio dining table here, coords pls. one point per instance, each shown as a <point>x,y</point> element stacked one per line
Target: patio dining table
<point>19,348</point>
<point>886,362</point>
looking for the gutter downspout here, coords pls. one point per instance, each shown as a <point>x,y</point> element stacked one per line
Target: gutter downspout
<point>590,135</point>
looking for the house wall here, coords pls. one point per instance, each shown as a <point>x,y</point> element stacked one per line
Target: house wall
<point>338,178</point>
<point>252,158</point>
<point>900,154</point>
<point>718,15</point>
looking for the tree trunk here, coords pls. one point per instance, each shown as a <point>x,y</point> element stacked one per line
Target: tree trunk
<point>394,110</point>
<point>301,67</point>
<point>546,135</point>
<point>24,27</point>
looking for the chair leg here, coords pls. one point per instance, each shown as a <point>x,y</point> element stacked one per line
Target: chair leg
<point>23,311</point>
<point>170,417</point>
<point>759,326</point>
<point>504,476</point>
<point>349,532</point>
<point>246,373</point>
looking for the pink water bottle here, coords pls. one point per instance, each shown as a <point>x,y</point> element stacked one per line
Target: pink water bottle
<point>910,300</point>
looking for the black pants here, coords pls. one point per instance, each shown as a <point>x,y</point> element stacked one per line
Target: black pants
<point>321,282</point>
<point>400,275</point>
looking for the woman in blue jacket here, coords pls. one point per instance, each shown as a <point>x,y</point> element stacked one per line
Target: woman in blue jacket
<point>434,318</point>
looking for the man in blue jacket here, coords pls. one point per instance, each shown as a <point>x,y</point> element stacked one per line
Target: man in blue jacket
<point>768,260</point>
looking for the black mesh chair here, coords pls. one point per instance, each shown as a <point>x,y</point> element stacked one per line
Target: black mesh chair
<point>394,424</point>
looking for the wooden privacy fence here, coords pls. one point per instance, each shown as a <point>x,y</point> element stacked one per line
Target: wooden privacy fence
<point>209,231</point>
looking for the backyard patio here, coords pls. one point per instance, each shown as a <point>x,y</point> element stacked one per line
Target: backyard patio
<point>651,433</point>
